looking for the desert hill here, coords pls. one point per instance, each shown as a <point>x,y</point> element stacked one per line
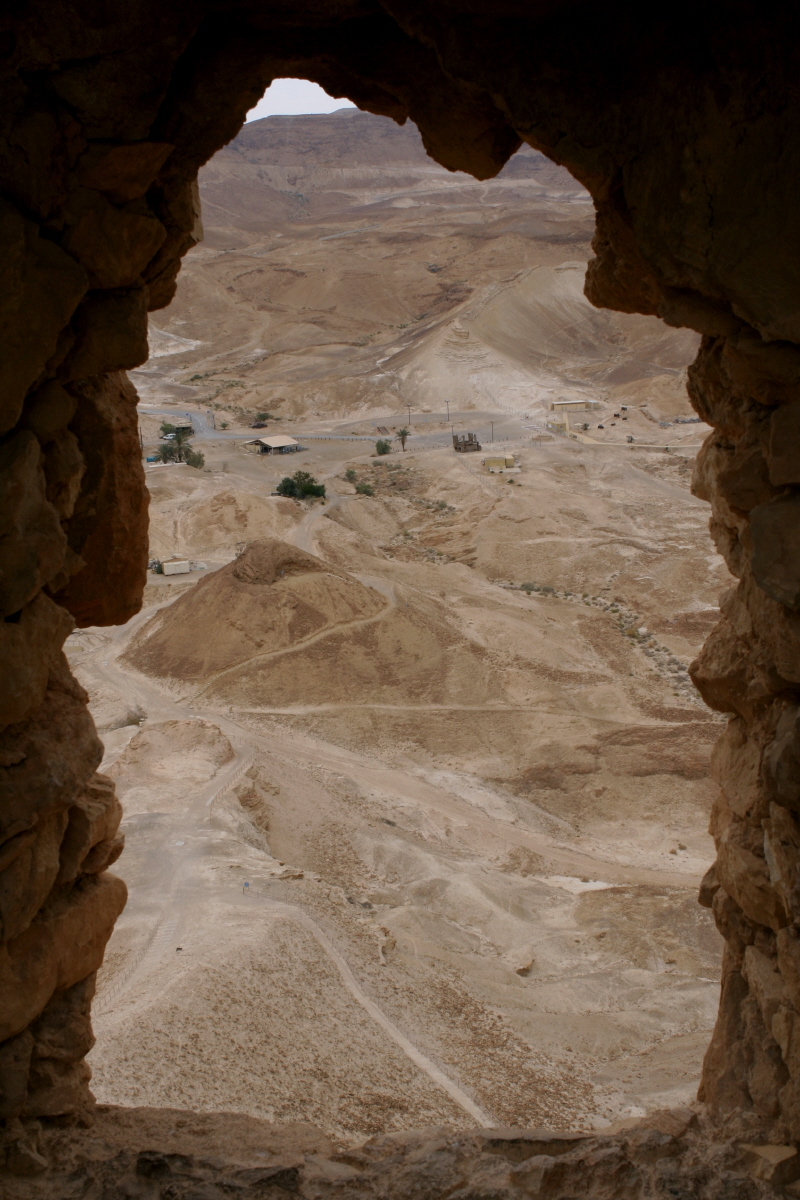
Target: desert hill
<point>194,515</point>
<point>272,598</point>
<point>345,274</point>
<point>307,166</point>
<point>166,762</point>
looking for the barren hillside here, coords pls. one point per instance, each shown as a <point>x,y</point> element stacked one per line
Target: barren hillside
<point>344,274</point>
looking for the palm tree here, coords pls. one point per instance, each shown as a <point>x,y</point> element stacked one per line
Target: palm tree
<point>402,435</point>
<point>166,452</point>
<point>181,443</point>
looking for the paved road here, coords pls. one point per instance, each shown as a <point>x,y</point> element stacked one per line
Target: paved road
<point>203,423</point>
<point>204,430</point>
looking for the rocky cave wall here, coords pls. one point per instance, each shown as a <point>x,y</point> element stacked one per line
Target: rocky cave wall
<point>684,128</point>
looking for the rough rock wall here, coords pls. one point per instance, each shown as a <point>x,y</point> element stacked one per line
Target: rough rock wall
<point>686,130</point>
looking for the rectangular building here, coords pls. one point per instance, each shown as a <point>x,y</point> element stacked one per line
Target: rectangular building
<point>279,443</point>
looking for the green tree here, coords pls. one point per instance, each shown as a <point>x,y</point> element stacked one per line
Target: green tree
<point>402,436</point>
<point>166,428</point>
<point>383,447</point>
<point>262,417</point>
<point>194,458</point>
<point>181,444</point>
<point>166,452</point>
<point>300,485</point>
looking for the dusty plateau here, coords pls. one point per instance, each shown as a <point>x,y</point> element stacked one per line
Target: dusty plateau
<point>416,786</point>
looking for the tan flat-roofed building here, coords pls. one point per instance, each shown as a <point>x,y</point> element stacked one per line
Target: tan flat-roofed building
<point>500,462</point>
<point>279,443</point>
<point>563,406</point>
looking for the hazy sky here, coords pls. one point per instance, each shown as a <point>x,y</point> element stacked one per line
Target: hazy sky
<point>287,97</point>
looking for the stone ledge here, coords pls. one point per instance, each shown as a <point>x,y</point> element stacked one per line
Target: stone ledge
<point>168,1154</point>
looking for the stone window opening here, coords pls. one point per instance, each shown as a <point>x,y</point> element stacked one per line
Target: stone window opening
<point>686,136</point>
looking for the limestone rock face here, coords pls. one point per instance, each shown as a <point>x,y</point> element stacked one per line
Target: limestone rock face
<point>138,1151</point>
<point>28,647</point>
<point>775,534</point>
<point>33,540</point>
<point>41,287</point>
<point>686,133</point>
<point>107,527</point>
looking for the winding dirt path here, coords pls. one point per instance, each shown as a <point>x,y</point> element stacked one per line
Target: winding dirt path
<point>408,787</point>
<point>420,1060</point>
<point>179,888</point>
<point>342,627</point>
<point>183,887</point>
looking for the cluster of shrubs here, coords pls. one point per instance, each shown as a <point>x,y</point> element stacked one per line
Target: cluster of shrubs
<point>536,587</point>
<point>300,485</point>
<point>363,488</point>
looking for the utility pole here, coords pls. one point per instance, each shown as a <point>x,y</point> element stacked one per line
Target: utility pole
<point>408,406</point>
<point>492,430</point>
<point>447,402</point>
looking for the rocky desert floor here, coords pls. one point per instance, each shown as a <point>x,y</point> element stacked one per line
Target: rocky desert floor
<point>407,844</point>
<point>416,784</point>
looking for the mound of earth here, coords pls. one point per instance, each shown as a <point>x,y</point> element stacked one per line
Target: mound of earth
<point>189,518</point>
<point>164,763</point>
<point>272,598</point>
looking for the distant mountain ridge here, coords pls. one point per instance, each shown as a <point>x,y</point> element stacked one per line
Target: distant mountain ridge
<point>344,137</point>
<point>288,168</point>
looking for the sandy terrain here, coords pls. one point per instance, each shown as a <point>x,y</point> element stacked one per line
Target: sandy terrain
<point>469,789</point>
<point>416,784</point>
<point>345,276</point>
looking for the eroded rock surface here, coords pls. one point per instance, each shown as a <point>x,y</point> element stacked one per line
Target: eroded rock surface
<point>684,132</point>
<point>160,1154</point>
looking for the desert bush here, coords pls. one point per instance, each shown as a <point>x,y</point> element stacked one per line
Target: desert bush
<point>350,475</point>
<point>365,489</point>
<point>194,458</point>
<point>300,485</point>
<point>383,447</point>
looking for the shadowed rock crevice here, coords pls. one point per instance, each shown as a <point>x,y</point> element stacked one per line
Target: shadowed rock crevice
<point>685,131</point>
